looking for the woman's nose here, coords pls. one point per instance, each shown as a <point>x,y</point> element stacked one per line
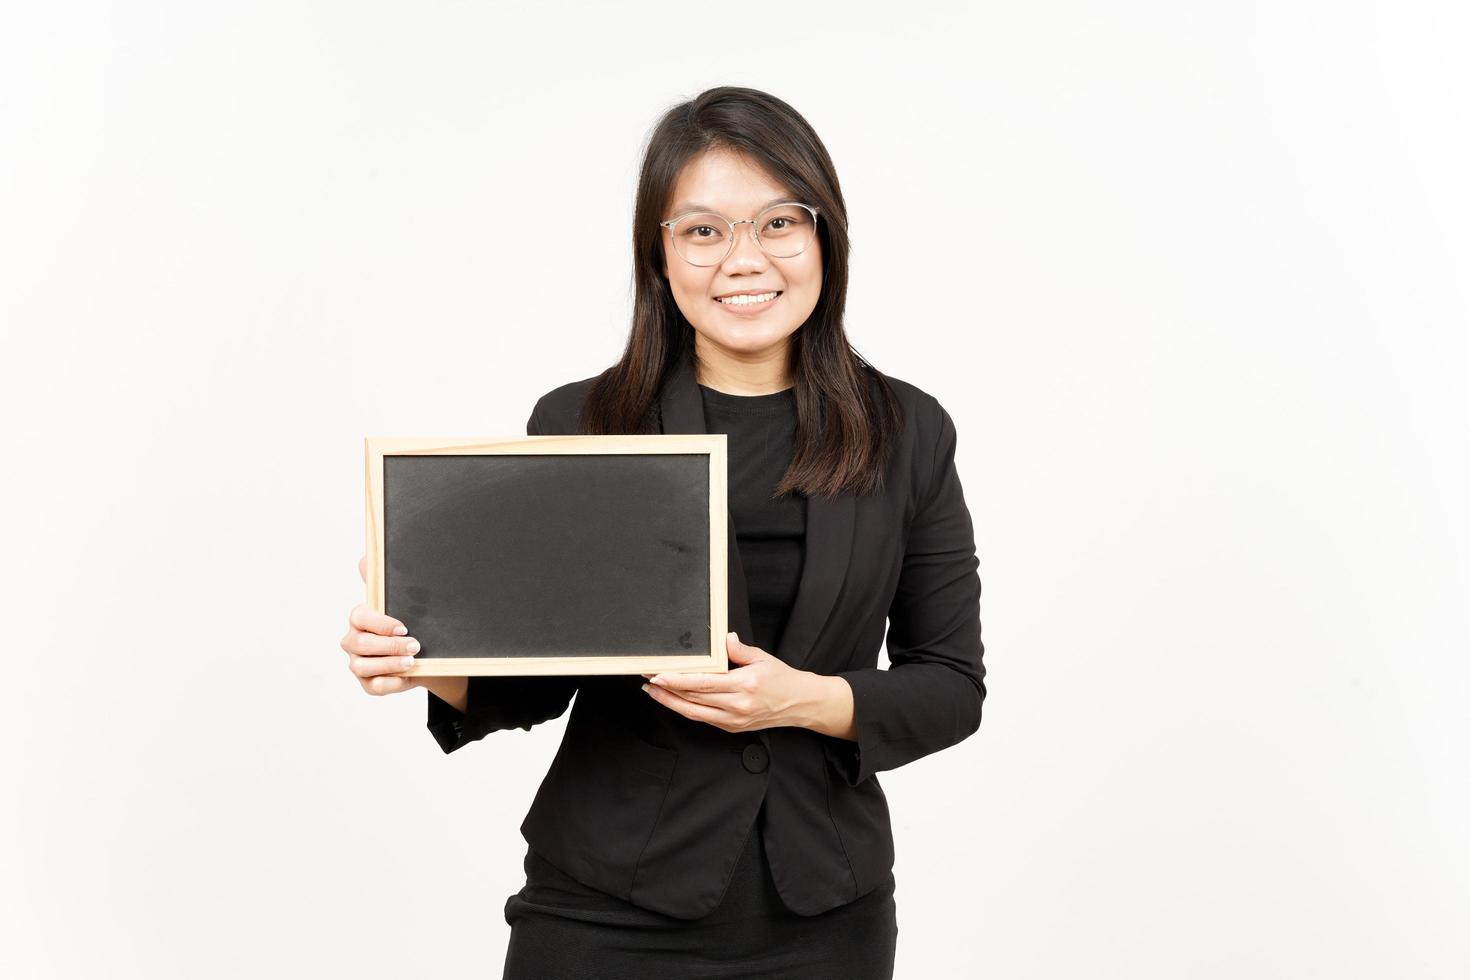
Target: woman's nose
<point>745,236</point>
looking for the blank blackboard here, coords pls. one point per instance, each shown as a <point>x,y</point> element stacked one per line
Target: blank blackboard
<point>552,554</point>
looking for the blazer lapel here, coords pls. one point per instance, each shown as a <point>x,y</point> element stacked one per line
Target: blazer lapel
<point>828,541</point>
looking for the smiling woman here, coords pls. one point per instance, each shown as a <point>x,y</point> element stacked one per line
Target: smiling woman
<point>741,270</point>
<point>733,824</point>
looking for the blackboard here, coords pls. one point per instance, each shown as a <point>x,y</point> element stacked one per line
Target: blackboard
<point>552,554</point>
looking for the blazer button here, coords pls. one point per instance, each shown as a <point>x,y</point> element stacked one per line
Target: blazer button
<point>755,758</point>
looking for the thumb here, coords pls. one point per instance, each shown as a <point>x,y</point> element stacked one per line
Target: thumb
<point>742,652</point>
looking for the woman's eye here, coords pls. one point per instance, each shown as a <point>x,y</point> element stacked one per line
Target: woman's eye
<point>699,231</point>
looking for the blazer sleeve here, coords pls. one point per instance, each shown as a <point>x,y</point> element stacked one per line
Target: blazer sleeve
<point>930,696</point>
<point>501,703</point>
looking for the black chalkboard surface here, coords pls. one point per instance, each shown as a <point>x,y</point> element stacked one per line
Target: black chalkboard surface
<point>552,554</point>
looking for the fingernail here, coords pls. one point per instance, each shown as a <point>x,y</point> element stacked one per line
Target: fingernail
<point>646,690</point>
<point>731,636</point>
<point>400,630</point>
<point>413,646</point>
<point>407,662</point>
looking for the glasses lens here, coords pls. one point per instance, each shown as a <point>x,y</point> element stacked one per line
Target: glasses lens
<point>786,230</point>
<point>702,238</point>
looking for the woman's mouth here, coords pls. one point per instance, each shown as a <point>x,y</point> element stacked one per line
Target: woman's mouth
<point>748,304</point>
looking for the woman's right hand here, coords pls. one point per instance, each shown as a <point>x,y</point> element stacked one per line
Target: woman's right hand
<point>378,646</point>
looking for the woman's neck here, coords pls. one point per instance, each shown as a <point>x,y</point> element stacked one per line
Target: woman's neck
<point>743,374</point>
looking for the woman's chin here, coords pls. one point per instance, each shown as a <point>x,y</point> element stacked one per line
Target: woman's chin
<point>749,338</point>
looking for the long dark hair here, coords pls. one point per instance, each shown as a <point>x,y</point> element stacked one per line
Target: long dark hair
<point>848,416</point>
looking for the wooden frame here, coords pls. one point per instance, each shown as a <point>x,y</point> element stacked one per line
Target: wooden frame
<point>377,447</point>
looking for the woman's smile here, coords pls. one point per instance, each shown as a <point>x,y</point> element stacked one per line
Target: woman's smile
<point>748,304</point>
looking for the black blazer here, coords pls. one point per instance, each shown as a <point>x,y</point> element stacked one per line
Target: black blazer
<point>645,804</point>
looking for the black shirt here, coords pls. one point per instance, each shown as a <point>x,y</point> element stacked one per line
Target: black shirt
<point>769,531</point>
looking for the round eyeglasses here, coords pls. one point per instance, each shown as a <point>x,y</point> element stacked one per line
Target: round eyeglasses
<point>782,231</point>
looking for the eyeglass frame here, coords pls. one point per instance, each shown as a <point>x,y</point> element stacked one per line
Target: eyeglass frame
<point>734,232</point>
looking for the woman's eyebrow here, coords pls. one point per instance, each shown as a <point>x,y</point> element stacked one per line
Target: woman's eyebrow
<point>683,206</point>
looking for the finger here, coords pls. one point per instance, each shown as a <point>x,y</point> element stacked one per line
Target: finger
<point>712,683</point>
<point>372,645</point>
<point>388,684</point>
<point>365,617</point>
<point>362,568</point>
<point>729,701</point>
<point>685,707</point>
<point>377,666</point>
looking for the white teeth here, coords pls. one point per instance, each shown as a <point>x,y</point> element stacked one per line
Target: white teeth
<point>746,300</point>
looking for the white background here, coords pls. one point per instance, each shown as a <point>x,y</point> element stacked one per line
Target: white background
<point>1189,276</point>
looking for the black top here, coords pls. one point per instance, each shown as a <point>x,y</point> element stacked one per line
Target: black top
<point>770,534</point>
<point>769,531</point>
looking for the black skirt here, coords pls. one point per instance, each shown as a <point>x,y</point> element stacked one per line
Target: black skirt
<point>560,929</point>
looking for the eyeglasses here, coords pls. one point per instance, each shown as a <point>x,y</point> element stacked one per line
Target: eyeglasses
<point>782,231</point>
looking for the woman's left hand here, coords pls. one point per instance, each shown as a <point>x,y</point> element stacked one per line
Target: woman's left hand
<point>759,691</point>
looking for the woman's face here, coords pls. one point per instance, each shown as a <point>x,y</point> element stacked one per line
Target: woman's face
<point>735,186</point>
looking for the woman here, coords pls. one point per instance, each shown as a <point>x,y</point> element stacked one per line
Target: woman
<point>732,825</point>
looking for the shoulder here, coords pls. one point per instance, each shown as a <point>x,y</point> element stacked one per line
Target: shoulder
<point>557,411</point>
<point>924,418</point>
<point>927,442</point>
